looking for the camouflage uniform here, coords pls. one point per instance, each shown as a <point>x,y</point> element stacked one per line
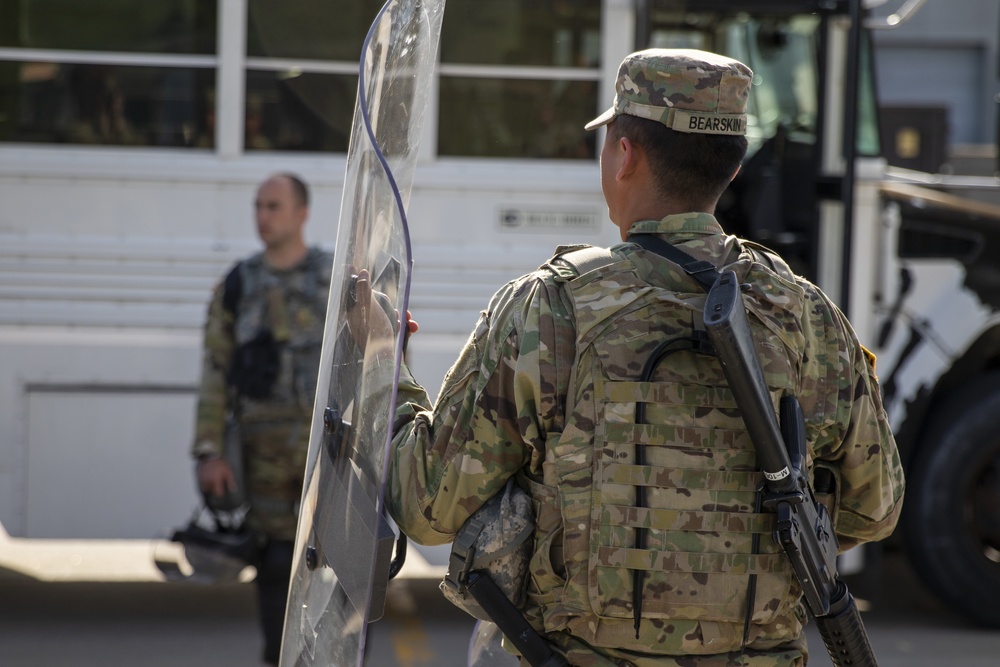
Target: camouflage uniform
<point>547,388</point>
<point>501,413</point>
<point>273,431</point>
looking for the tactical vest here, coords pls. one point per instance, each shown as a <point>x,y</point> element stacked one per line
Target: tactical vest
<point>279,318</point>
<point>655,474</point>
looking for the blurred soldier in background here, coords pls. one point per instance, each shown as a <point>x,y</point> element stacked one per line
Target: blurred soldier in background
<point>261,355</point>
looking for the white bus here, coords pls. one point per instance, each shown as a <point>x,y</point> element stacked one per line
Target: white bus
<point>132,136</point>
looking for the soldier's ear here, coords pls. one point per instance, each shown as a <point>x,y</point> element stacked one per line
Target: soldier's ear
<point>630,155</point>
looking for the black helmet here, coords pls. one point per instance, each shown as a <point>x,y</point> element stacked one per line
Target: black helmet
<point>217,551</point>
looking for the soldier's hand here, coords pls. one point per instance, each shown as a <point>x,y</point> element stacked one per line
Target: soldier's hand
<point>367,318</point>
<point>215,477</point>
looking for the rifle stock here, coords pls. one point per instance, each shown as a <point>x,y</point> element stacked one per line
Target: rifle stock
<point>534,649</point>
<point>804,528</point>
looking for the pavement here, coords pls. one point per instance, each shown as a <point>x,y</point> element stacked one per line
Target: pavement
<point>78,603</point>
<point>128,560</point>
<point>90,603</point>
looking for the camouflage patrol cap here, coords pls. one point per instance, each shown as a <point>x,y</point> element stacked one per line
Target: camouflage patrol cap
<point>685,89</point>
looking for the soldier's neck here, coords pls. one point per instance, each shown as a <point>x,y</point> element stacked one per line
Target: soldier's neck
<point>287,256</point>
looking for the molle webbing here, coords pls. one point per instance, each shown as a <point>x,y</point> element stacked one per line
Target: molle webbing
<point>697,474</point>
<point>686,562</point>
<point>669,519</point>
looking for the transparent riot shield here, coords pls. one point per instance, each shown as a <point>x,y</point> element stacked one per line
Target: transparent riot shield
<point>343,546</point>
<point>486,648</point>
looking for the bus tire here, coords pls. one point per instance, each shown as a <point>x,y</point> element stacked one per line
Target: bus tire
<point>951,511</point>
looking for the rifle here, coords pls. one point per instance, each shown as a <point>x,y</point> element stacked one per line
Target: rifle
<point>804,529</point>
<point>533,648</point>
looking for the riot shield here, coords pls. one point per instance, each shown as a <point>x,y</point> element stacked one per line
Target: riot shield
<point>343,544</point>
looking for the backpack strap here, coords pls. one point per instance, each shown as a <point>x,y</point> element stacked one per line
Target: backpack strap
<point>311,286</point>
<point>769,258</point>
<point>588,258</point>
<point>232,288</point>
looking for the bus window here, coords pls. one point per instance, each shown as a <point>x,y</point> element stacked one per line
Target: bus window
<point>292,110</point>
<point>516,118</point>
<point>519,78</point>
<point>301,79</point>
<point>98,104</point>
<point>309,30</point>
<point>164,26</point>
<point>113,72</point>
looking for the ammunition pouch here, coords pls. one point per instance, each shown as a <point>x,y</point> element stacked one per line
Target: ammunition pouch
<point>255,366</point>
<point>496,540</point>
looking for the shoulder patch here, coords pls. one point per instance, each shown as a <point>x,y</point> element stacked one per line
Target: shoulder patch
<point>870,358</point>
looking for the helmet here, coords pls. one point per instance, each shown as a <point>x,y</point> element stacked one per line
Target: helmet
<point>493,541</point>
<point>216,553</point>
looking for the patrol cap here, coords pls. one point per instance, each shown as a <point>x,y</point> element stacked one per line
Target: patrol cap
<point>685,89</point>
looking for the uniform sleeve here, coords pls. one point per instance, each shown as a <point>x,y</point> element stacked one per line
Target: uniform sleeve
<point>854,441</point>
<point>213,400</point>
<point>490,421</point>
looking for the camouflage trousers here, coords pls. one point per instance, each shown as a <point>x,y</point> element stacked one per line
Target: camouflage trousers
<point>274,461</point>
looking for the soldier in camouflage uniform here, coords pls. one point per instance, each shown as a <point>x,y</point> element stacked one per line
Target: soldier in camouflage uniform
<point>261,357</point>
<point>555,389</point>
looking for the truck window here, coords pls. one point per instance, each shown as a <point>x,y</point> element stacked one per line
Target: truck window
<point>780,51</point>
<point>773,199</point>
<point>782,55</point>
<point>869,140</point>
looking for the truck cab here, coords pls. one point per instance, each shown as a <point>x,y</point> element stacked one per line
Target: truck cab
<point>912,264</point>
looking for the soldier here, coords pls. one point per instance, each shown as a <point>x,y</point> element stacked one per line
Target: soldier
<point>555,388</point>
<point>261,356</point>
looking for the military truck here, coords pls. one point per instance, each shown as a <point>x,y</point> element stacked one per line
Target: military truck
<point>912,262</point>
<point>132,136</point>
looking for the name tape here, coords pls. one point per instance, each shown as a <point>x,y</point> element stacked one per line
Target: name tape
<point>692,121</point>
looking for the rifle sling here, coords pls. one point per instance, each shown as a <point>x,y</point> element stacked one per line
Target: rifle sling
<point>704,272</point>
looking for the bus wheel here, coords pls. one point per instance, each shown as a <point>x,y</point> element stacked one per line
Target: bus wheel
<point>951,512</point>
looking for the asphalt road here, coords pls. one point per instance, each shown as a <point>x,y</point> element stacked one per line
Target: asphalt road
<point>155,624</point>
